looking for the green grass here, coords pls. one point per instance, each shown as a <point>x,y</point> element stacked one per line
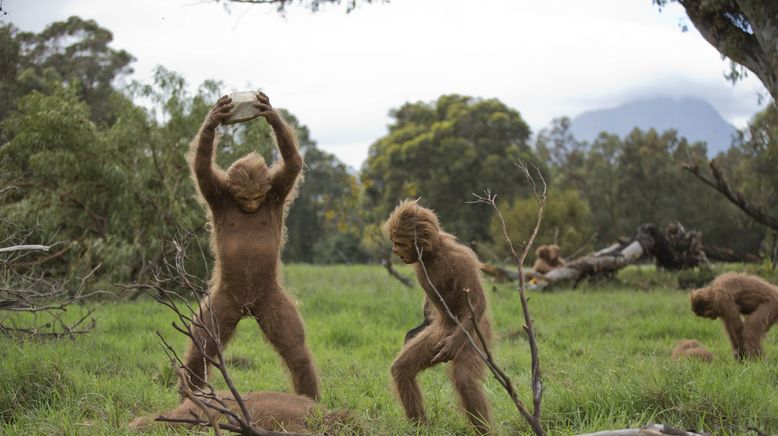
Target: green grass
<point>604,352</point>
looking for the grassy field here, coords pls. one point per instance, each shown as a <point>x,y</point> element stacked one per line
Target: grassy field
<point>604,353</point>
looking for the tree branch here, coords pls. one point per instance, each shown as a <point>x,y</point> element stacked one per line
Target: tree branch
<point>719,183</point>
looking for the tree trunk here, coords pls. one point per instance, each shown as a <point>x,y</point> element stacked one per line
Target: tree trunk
<point>755,48</point>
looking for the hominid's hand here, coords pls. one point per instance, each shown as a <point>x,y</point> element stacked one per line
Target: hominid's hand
<point>219,113</point>
<point>446,349</point>
<point>266,110</point>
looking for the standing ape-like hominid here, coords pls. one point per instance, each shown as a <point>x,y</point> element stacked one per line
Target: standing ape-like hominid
<point>454,271</point>
<point>246,208</point>
<point>731,295</point>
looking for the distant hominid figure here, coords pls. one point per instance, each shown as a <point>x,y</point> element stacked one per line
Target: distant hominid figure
<point>547,259</point>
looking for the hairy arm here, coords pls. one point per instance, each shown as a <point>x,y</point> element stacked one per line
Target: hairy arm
<point>463,289</point>
<point>730,316</point>
<point>286,172</point>
<point>210,182</point>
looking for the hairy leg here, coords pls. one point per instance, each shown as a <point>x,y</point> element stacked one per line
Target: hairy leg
<point>217,318</point>
<point>755,326</point>
<point>467,375</point>
<point>415,356</point>
<point>281,323</point>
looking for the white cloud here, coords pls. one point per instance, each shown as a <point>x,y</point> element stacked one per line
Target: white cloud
<point>340,74</point>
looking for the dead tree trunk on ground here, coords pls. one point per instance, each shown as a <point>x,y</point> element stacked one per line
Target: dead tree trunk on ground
<point>674,249</point>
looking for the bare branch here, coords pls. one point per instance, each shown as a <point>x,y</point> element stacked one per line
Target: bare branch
<point>24,248</point>
<point>47,299</point>
<point>537,385</point>
<point>719,183</point>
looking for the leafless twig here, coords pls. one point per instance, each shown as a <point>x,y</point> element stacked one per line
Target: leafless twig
<point>33,304</point>
<point>537,384</point>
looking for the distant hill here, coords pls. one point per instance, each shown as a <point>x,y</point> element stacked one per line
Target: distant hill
<point>695,119</point>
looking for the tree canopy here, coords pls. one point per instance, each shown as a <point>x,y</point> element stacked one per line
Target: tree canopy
<point>445,151</point>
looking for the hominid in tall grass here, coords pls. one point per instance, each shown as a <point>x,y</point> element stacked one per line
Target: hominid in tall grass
<point>731,295</point>
<point>453,269</point>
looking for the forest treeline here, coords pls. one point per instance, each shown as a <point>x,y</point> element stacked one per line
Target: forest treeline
<point>93,164</point>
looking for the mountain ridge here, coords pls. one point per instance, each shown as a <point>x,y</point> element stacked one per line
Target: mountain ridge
<point>693,118</point>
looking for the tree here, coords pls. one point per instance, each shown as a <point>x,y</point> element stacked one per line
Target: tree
<point>758,176</point>
<point>758,151</point>
<point>74,51</point>
<point>564,154</point>
<point>320,223</point>
<point>626,182</point>
<point>745,31</point>
<point>445,151</point>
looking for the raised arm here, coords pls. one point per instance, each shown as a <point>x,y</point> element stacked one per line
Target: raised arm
<point>210,182</point>
<point>284,173</point>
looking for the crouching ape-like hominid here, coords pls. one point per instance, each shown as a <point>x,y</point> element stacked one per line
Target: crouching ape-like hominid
<point>278,411</point>
<point>246,209</point>
<point>454,271</point>
<point>731,295</point>
<point>690,348</point>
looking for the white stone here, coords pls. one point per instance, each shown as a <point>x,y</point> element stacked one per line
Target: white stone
<point>243,108</point>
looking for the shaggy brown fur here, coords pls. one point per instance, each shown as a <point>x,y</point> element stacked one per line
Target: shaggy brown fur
<point>454,270</point>
<point>246,208</point>
<point>276,411</point>
<point>547,259</point>
<point>731,295</point>
<point>692,349</point>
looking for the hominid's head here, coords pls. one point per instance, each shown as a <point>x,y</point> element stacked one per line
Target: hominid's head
<point>409,224</point>
<point>702,303</point>
<point>248,180</point>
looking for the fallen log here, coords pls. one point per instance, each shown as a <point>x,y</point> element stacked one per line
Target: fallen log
<point>648,430</point>
<point>673,249</point>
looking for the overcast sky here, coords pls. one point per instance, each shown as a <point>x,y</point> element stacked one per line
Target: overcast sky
<point>340,74</point>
